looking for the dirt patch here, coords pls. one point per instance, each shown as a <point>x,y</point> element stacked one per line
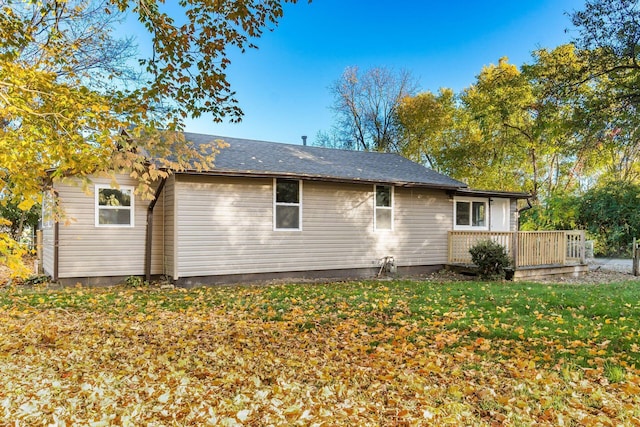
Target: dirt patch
<point>594,277</point>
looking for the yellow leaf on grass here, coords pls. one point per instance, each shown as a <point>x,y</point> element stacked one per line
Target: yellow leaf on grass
<point>243,415</point>
<point>164,398</point>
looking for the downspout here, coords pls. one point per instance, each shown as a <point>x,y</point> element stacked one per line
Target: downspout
<point>148,245</point>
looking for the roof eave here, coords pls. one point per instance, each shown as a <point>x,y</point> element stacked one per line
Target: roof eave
<point>309,177</point>
<point>490,193</point>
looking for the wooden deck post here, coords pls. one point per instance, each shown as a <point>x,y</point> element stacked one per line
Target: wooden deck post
<point>515,236</point>
<point>636,257</point>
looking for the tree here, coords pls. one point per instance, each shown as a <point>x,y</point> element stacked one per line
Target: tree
<point>18,219</point>
<point>503,103</point>
<point>66,94</point>
<point>438,131</point>
<point>610,213</point>
<point>365,105</point>
<point>609,38</point>
<point>609,30</point>
<point>424,119</point>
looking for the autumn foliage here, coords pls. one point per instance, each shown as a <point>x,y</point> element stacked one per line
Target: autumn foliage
<point>72,102</point>
<point>365,353</point>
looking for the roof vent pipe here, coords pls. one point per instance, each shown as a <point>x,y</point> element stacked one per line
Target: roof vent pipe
<point>304,139</point>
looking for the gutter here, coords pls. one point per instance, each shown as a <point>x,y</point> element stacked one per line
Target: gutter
<point>406,184</point>
<point>148,245</point>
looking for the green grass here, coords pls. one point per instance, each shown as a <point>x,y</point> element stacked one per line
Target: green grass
<point>355,353</point>
<point>577,323</point>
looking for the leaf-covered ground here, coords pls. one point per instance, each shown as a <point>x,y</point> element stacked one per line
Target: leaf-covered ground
<point>359,353</point>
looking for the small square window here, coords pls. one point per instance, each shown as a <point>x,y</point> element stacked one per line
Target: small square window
<point>114,206</point>
<point>470,214</point>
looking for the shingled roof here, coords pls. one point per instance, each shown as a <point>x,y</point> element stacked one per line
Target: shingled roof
<point>244,157</point>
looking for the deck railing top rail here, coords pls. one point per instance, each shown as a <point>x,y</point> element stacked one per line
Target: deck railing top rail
<point>527,248</point>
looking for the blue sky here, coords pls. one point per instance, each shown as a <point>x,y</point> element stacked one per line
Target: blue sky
<point>283,86</point>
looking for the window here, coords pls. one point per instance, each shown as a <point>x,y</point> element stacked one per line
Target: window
<point>471,213</point>
<point>384,207</point>
<point>287,201</point>
<point>47,210</point>
<point>114,207</point>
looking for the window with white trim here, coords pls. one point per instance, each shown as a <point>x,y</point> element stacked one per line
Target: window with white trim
<point>383,219</point>
<point>47,210</point>
<point>114,206</point>
<point>470,213</point>
<point>287,200</point>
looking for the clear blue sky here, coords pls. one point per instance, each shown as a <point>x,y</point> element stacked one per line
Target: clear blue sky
<point>283,86</point>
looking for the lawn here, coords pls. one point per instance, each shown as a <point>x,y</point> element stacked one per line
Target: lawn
<point>355,353</point>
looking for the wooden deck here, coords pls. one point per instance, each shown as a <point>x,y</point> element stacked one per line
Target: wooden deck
<point>533,253</point>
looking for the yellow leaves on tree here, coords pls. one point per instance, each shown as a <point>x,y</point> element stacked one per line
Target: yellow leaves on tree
<point>72,105</point>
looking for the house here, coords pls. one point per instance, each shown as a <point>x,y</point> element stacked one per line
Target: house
<point>269,210</point>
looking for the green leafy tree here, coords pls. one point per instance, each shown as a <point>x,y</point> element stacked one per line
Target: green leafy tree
<point>608,37</point>
<point>18,220</point>
<point>424,120</point>
<point>609,31</point>
<point>438,131</point>
<point>498,103</point>
<point>557,211</point>
<point>610,213</point>
<point>506,131</point>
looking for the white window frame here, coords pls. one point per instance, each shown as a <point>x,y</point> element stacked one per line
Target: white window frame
<point>471,200</point>
<point>47,210</point>
<point>376,207</point>
<point>276,204</point>
<point>97,207</point>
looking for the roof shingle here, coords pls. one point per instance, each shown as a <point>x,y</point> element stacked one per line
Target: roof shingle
<point>250,157</point>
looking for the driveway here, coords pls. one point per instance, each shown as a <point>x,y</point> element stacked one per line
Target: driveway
<point>611,264</point>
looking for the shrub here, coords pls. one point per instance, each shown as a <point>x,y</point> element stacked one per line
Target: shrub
<point>134,282</point>
<point>491,258</point>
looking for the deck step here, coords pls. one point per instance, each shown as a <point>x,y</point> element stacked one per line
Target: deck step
<point>546,271</point>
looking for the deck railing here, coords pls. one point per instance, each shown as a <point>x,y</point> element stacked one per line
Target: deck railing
<point>527,248</point>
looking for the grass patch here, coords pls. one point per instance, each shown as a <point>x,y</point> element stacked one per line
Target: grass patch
<point>579,322</point>
<point>365,353</point>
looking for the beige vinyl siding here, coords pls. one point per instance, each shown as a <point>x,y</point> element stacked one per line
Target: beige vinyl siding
<point>169,227</point>
<point>225,226</point>
<point>47,249</point>
<point>89,251</point>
